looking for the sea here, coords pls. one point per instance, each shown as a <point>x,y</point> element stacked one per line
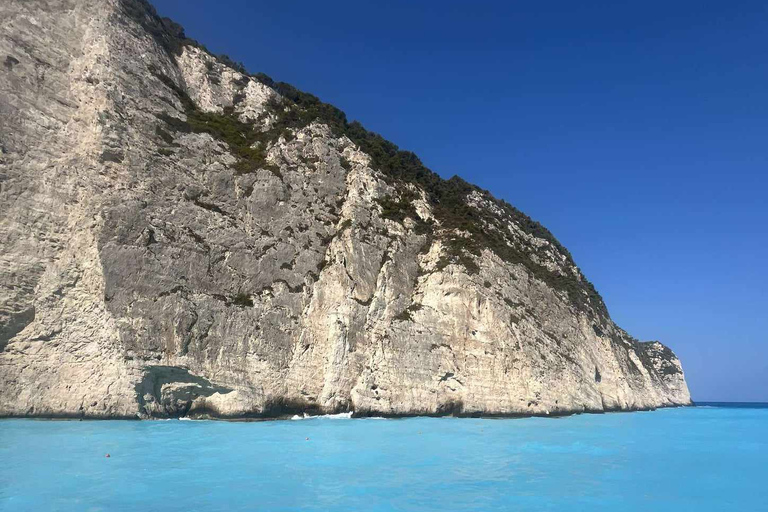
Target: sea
<point>713,457</point>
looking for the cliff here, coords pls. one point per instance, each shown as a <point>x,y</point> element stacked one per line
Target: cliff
<point>180,237</point>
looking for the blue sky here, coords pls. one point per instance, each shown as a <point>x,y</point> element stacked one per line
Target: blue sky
<point>637,132</point>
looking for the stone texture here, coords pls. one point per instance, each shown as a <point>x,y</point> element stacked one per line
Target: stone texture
<point>143,275</point>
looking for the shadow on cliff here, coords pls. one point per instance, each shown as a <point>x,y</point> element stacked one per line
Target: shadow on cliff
<point>169,391</point>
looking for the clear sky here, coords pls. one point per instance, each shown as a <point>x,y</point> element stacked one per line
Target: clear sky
<point>637,132</point>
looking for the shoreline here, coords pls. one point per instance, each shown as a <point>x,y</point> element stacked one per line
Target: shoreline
<point>354,415</point>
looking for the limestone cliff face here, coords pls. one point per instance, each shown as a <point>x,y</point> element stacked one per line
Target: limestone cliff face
<point>182,238</point>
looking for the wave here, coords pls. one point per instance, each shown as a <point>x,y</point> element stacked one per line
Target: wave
<point>339,416</point>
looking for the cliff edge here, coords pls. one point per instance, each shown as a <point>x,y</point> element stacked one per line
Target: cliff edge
<point>182,238</point>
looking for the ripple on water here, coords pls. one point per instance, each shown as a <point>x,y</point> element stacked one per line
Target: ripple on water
<point>701,459</point>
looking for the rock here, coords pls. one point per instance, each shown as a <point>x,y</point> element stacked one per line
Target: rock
<point>181,238</point>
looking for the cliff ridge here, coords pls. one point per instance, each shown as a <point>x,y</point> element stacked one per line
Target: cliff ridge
<point>183,238</point>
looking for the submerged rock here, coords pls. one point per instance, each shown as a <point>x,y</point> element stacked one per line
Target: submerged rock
<point>182,238</point>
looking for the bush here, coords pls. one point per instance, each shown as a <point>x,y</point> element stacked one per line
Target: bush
<point>398,209</point>
<point>241,138</point>
<point>448,198</point>
<point>244,142</point>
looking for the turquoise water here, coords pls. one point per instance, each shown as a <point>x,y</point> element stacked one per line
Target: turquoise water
<point>698,459</point>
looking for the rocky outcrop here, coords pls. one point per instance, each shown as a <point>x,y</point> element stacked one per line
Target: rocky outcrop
<point>180,237</point>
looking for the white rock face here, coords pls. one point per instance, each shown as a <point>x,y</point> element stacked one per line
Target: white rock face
<point>145,272</point>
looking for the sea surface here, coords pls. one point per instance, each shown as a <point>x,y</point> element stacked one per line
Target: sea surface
<point>707,458</point>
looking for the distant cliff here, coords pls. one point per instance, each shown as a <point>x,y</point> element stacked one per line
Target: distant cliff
<point>180,237</point>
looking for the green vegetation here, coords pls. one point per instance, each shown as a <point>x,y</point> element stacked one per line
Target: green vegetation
<point>227,61</point>
<point>244,142</point>
<point>398,209</point>
<point>164,31</point>
<point>480,229</point>
<point>465,229</point>
<point>239,136</point>
<point>642,348</point>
